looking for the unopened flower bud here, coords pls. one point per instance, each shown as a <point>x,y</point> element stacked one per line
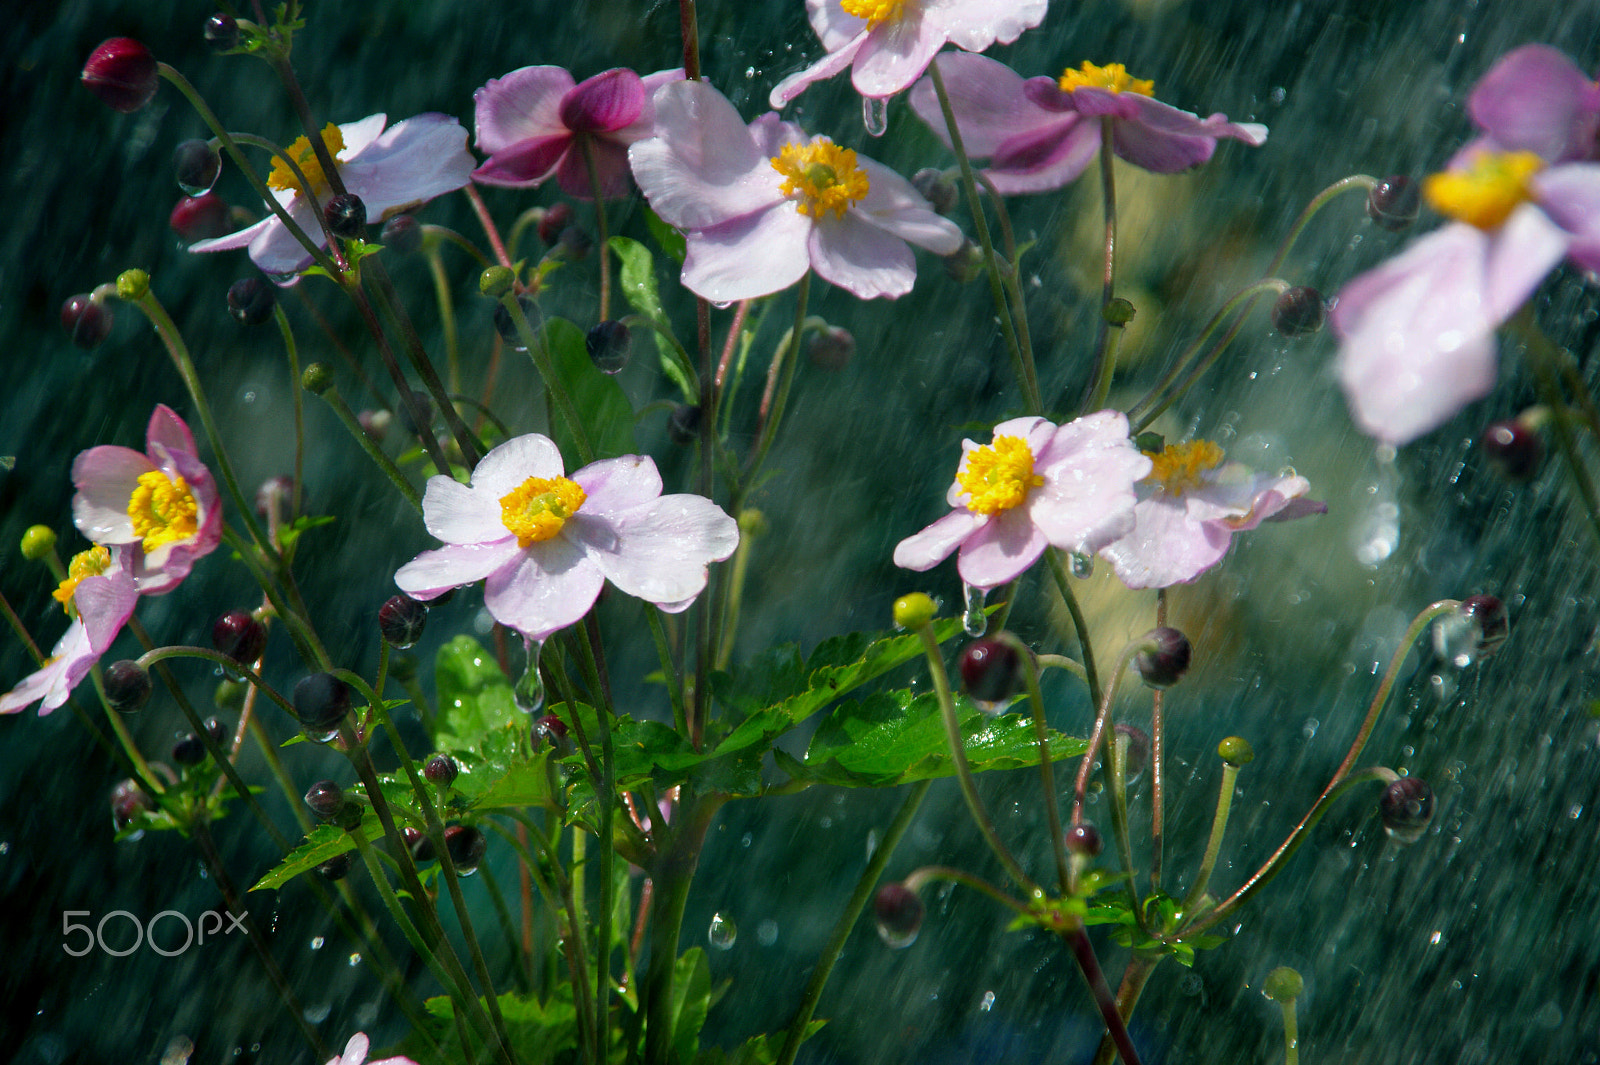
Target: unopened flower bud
<point>37,542</point>
<point>401,620</point>
<point>496,281</point>
<point>127,686</point>
<point>189,750</point>
<point>1164,659</point>
<point>251,299</point>
<point>965,263</point>
<point>317,378</point>
<point>1394,203</point>
<point>1084,840</point>
<point>421,846</point>
<point>553,220</point>
<point>831,348</point>
<point>1236,751</point>
<point>1299,312</point>
<point>551,730</point>
<point>506,325</point>
<point>1514,450</point>
<point>337,867</point>
<point>321,701</point>
<point>899,911</point>
<point>914,611</point>
<point>467,847</point>
<point>273,494</point>
<point>86,320</point>
<point>328,801</point>
<point>128,801</point>
<point>402,234</point>
<point>222,32</point>
<point>239,636</point>
<point>991,669</point>
<point>1283,984</point>
<point>1119,312</point>
<point>441,769</point>
<point>201,217</point>
<point>608,344</point>
<point>122,73</point>
<point>196,165</point>
<point>1406,807</point>
<point>683,425</point>
<point>133,285</point>
<point>1488,614</point>
<point>575,243</point>
<point>937,188</point>
<point>346,216</point>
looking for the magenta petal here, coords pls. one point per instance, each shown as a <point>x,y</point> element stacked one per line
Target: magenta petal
<point>168,430</point>
<point>543,590</point>
<point>1000,550</point>
<point>523,105</point>
<point>926,549</point>
<point>1046,94</point>
<point>105,603</point>
<point>524,164</point>
<point>1536,99</point>
<point>432,573</point>
<point>608,101</point>
<point>1166,140</point>
<point>610,164</point>
<point>1046,158</point>
<point>1103,103</point>
<point>988,102</point>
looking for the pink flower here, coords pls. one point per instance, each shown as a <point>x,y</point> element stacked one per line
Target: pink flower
<point>1189,508</point>
<point>889,43</point>
<point>391,170</point>
<point>545,544</point>
<point>164,501</point>
<point>1041,133</point>
<point>99,597</point>
<point>761,205</point>
<point>1036,485</point>
<point>355,1053</point>
<point>534,122</point>
<point>1535,99</point>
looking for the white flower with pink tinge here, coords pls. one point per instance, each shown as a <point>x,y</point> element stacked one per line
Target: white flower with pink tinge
<point>355,1053</point>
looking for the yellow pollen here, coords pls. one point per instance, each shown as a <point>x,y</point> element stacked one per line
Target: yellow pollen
<point>163,510</point>
<point>1113,77</point>
<point>874,11</point>
<point>90,563</point>
<point>1179,466</point>
<point>999,476</point>
<point>537,508</point>
<point>1485,194</point>
<point>821,176</point>
<point>305,157</point>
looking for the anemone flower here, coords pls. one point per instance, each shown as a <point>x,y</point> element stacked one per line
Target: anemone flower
<point>98,595</point>
<point>355,1053</point>
<point>1535,99</point>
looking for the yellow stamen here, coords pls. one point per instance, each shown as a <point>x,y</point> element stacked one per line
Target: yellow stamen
<point>874,11</point>
<point>163,510</point>
<point>1113,77</point>
<point>305,157</point>
<point>90,563</point>
<point>998,477</point>
<point>536,509</point>
<point>1177,467</point>
<point>1484,194</point>
<point>822,177</point>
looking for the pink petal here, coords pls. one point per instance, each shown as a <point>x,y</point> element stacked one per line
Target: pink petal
<point>895,54</point>
<point>892,205</point>
<point>523,105</point>
<point>658,552</point>
<point>1535,99</point>
<point>169,431</point>
<point>1046,158</point>
<point>756,255</point>
<point>1570,195</point>
<point>456,514</point>
<point>933,545</point>
<point>526,163</point>
<point>834,26</point>
<point>608,101</point>
<point>1165,546</point>
<point>702,168</point>
<point>409,164</point>
<point>513,462</point>
<point>645,124</point>
<point>1165,140</point>
<point>544,589</point>
<point>68,664</point>
<point>836,60</point>
<point>432,573</point>
<point>861,258</point>
<point>1000,550</point>
<point>977,24</point>
<point>355,1051</point>
<point>359,134</point>
<point>987,100</point>
<point>610,163</point>
<point>105,478</point>
<point>617,485</point>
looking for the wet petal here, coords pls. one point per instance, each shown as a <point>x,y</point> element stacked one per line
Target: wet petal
<point>861,258</point>
<point>756,255</point>
<point>432,573</point>
<point>608,101</point>
<point>523,105</point>
<point>544,589</point>
<point>926,549</point>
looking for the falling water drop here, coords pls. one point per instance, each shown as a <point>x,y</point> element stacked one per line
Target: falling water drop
<point>722,932</point>
<point>875,114</point>
<point>974,621</point>
<point>1082,566</point>
<point>529,692</point>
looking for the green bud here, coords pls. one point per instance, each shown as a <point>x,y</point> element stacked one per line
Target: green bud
<point>317,378</point>
<point>914,611</point>
<point>38,542</point>
<point>1150,443</point>
<point>1236,751</point>
<point>1119,312</point>
<point>1283,984</point>
<point>133,285</point>
<point>496,281</point>
<point>752,523</point>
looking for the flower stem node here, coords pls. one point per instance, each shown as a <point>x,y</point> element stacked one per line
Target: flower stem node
<point>1394,203</point>
<point>1406,808</point>
<point>1084,841</point>
<point>401,620</point>
<point>1299,312</point>
<point>196,165</point>
<point>321,701</point>
<point>402,234</point>
<point>496,281</point>
<point>1164,658</point>
<point>346,216</point>
<point>1119,312</point>
<point>1236,751</point>
<point>991,669</point>
<point>37,542</point>
<point>1514,449</point>
<point>86,320</point>
<point>122,73</point>
<point>608,345</point>
<point>913,611</point>
<point>128,686</point>
<point>239,636</point>
<point>251,300</point>
<point>441,769</point>
<point>899,913</point>
<point>133,285</point>
<point>317,378</point>
<point>222,32</point>
<point>1283,984</point>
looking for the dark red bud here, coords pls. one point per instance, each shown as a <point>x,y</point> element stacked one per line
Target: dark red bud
<point>1513,449</point>
<point>239,636</point>
<point>86,320</point>
<point>1394,203</point>
<point>122,73</point>
<point>201,217</point>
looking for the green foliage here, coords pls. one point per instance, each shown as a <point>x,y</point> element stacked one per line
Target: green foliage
<point>1162,917</point>
<point>638,284</point>
<point>539,1031</point>
<point>603,408</point>
<point>474,695</point>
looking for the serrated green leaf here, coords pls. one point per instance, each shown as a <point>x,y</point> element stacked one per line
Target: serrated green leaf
<point>324,843</point>
<point>638,285</point>
<point>539,1031</point>
<point>691,1001</point>
<point>603,408</point>
<point>474,695</point>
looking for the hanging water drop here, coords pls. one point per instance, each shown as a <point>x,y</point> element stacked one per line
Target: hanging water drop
<point>1082,566</point>
<point>529,692</point>
<point>722,932</point>
<point>974,622</point>
<point>875,114</point>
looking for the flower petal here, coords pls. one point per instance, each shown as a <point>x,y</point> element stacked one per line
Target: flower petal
<point>977,24</point>
<point>617,485</point>
<point>1000,550</point>
<point>1166,140</point>
<point>105,603</point>
<point>926,549</point>
<point>525,164</point>
<point>523,105</point>
<point>894,206</point>
<point>409,164</point>
<point>169,431</point>
<point>987,100</point>
<point>658,552</point>
<point>432,573</point>
<point>1535,99</point>
<point>895,54</point>
<point>702,168</point>
<point>755,255</point>
<point>52,682</point>
<point>861,258</point>
<point>608,101</point>
<point>1046,158</point>
<point>513,462</point>
<point>610,164</point>
<point>1570,195</point>
<point>544,589</point>
<point>1165,546</point>
<point>105,478</point>
<point>836,60</point>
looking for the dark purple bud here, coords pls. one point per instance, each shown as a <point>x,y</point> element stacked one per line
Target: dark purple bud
<point>402,234</point>
<point>467,846</point>
<point>421,846</point>
<point>1164,659</point>
<point>551,730</point>
<point>507,327</point>
<point>321,701</point>
<point>251,299</point>
<point>337,867</point>
<point>239,636</point>
<point>831,348</point>
<point>937,188</point>
<point>964,264</point>
<point>1514,450</point>
<point>216,730</point>
<point>1407,807</point>
<point>899,912</point>
<point>1084,840</point>
<point>1299,312</point>
<point>86,320</point>
<point>127,686</point>
<point>201,217</point>
<point>346,216</point>
<point>326,799</point>
<point>441,769</point>
<point>128,801</point>
<point>991,669</point>
<point>122,73</point>
<point>196,165</point>
<point>189,750</point>
<point>575,243</point>
<point>683,426</point>
<point>555,218</point>
<point>1394,203</point>
<point>222,32</point>
<point>401,621</point>
<point>608,345</point>
<point>1488,615</point>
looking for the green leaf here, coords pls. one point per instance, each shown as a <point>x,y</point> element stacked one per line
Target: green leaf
<point>671,240</point>
<point>603,408</point>
<point>323,844</point>
<point>539,1031</point>
<point>291,532</point>
<point>759,1050</point>
<point>691,1001</point>
<point>638,284</point>
<point>474,695</point>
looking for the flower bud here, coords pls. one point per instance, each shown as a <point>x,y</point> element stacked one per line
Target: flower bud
<point>1119,312</point>
<point>899,911</point>
<point>375,423</point>
<point>37,542</point>
<point>128,801</point>
<point>914,611</point>
<point>201,217</point>
<point>251,299</point>
<point>402,234</point>
<point>197,166</point>
<point>991,669</point>
<point>551,730</point>
<point>122,73</point>
<point>1406,807</point>
<point>346,216</point>
<point>937,188</point>
<point>127,686</point>
<point>574,244</point>
<point>317,378</point>
<point>608,345</point>
<point>1236,751</point>
<point>467,847</point>
<point>222,32</point>
<point>133,285</point>
<point>1283,984</point>
<point>1394,203</point>
<point>965,263</point>
<point>496,281</point>
<point>189,750</point>
<point>326,799</point>
<point>1475,629</point>
<point>683,426</point>
<point>1084,840</point>
<point>441,769</point>
<point>239,636</point>
<point>1299,312</point>
<point>1514,450</point>
<point>216,730</point>
<point>421,846</point>
<point>1164,658</point>
<point>321,701</point>
<point>86,320</point>
<point>553,220</point>
<point>1488,613</point>
<point>337,867</point>
<point>831,348</point>
<point>401,620</point>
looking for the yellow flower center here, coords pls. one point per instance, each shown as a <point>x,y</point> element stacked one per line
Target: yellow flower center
<point>822,176</point>
<point>537,508</point>
<point>163,510</point>
<point>1177,467</point>
<point>1485,194</point>
<point>305,156</point>
<point>874,11</point>
<point>90,563</point>
<point>998,477</point>
<point>1113,77</point>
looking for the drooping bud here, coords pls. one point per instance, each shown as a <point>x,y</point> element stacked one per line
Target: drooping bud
<point>1514,450</point>
<point>127,685</point>
<point>899,913</point>
<point>122,73</point>
<point>196,165</point>
<point>402,234</point>
<point>1394,203</point>
<point>496,281</point>
<point>346,216</point>
<point>1236,751</point>
<point>337,867</point>
<point>1475,629</point>
<point>1283,984</point>
<point>1119,312</point>
<point>608,344</point>
<point>222,32</point>
<point>321,701</point>
<point>552,731</point>
<point>421,846</point>
<point>189,750</point>
<point>1299,312</point>
<point>401,620</point>
<point>914,611</point>
<point>317,378</point>
<point>1165,658</point>
<point>683,425</point>
<point>251,300</point>
<point>441,769</point>
<point>937,188</point>
<point>467,847</point>
<point>991,669</point>
<point>37,542</point>
<point>965,263</point>
<point>132,285</point>
<point>201,217</point>
<point>1406,807</point>
<point>329,802</point>
<point>831,348</point>
<point>555,218</point>
<point>240,636</point>
<point>1084,840</point>
<point>128,801</point>
<point>86,320</point>
<point>1137,743</point>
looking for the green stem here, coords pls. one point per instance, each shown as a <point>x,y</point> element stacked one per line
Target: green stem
<point>602,241</point>
<point>1219,825</point>
<point>673,872</point>
<point>292,352</point>
<point>1058,572</point>
<point>347,418</point>
<point>1105,351</point>
<point>1047,776</point>
<point>790,354</point>
<point>1544,358</point>
<point>534,341</point>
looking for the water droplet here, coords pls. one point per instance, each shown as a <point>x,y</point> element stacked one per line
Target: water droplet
<point>974,621</point>
<point>746,839</point>
<point>318,1012</point>
<point>354,960</point>
<point>767,932</point>
<point>198,190</point>
<point>722,932</point>
<point>1456,638</point>
<point>321,737</point>
<point>317,942</point>
<point>988,1002</point>
<point>529,692</point>
<point>283,280</point>
<point>1082,566</point>
<point>875,114</point>
<point>896,940</point>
